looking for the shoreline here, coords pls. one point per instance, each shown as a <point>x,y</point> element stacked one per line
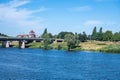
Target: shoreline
<point>96,46</point>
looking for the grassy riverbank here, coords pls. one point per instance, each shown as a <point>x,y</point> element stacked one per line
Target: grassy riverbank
<point>58,46</point>
<point>115,48</point>
<point>102,46</point>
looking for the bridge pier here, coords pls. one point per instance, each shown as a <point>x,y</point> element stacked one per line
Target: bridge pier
<point>5,44</point>
<point>22,44</point>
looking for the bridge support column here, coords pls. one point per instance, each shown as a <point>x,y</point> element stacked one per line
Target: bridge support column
<point>5,44</point>
<point>22,44</point>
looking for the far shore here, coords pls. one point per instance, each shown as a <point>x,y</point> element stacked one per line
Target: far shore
<point>101,46</point>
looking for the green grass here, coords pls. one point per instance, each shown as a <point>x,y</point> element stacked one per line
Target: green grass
<point>35,45</point>
<point>59,46</point>
<point>100,44</point>
<point>114,48</point>
<point>0,44</point>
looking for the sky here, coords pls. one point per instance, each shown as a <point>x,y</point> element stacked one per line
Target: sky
<point>21,16</point>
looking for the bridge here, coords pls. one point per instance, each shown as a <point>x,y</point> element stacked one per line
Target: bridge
<point>6,41</point>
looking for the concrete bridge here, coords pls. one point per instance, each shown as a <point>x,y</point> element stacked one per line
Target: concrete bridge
<point>6,41</point>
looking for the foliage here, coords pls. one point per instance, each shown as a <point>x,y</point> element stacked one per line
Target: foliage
<point>46,40</point>
<point>59,47</point>
<point>62,34</point>
<point>45,32</point>
<point>4,35</point>
<point>50,35</point>
<point>71,41</point>
<point>77,39</point>
<point>83,37</point>
<point>107,36</point>
<point>100,35</point>
<point>35,45</point>
<point>116,36</point>
<point>114,48</point>
<point>94,34</point>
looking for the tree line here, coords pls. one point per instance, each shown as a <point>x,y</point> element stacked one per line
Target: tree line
<point>73,39</point>
<point>3,35</point>
<point>104,36</point>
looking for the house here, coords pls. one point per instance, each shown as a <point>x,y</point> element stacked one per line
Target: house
<point>30,35</point>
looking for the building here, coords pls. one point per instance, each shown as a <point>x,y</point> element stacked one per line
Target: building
<point>23,36</point>
<point>58,41</point>
<point>30,35</point>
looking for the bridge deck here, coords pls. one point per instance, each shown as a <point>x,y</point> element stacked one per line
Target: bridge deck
<point>19,39</point>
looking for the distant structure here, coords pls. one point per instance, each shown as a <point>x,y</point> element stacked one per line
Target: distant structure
<point>58,41</point>
<point>23,36</point>
<point>30,35</point>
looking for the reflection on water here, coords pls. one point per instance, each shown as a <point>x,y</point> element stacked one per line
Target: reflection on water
<point>37,64</point>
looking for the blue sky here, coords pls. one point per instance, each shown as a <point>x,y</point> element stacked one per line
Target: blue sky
<point>21,16</point>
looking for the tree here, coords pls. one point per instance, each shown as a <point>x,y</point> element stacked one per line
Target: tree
<point>45,32</point>
<point>55,36</point>
<point>100,35</point>
<point>107,36</point>
<point>71,41</point>
<point>116,36</point>
<point>62,34</point>
<point>50,35</point>
<point>3,35</point>
<point>83,37</point>
<point>46,39</point>
<point>94,34</point>
<point>77,39</point>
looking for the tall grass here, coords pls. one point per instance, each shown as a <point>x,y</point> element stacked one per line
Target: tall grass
<point>114,48</point>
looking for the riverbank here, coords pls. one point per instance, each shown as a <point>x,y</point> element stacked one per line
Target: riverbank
<point>100,46</point>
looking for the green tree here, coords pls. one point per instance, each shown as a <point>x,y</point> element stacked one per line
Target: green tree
<point>83,37</point>
<point>71,41</point>
<point>50,35</point>
<point>45,32</point>
<point>94,34</point>
<point>116,36</point>
<point>77,39</point>
<point>55,36</point>
<point>62,34</point>
<point>100,35</point>
<point>107,36</point>
<point>3,35</point>
<point>46,39</point>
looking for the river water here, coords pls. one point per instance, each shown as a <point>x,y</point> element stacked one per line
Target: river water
<point>38,64</point>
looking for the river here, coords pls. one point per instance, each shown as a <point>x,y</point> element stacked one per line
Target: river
<point>38,64</point>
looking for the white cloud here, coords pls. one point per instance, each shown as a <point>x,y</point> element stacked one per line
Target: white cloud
<point>80,9</point>
<point>10,15</point>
